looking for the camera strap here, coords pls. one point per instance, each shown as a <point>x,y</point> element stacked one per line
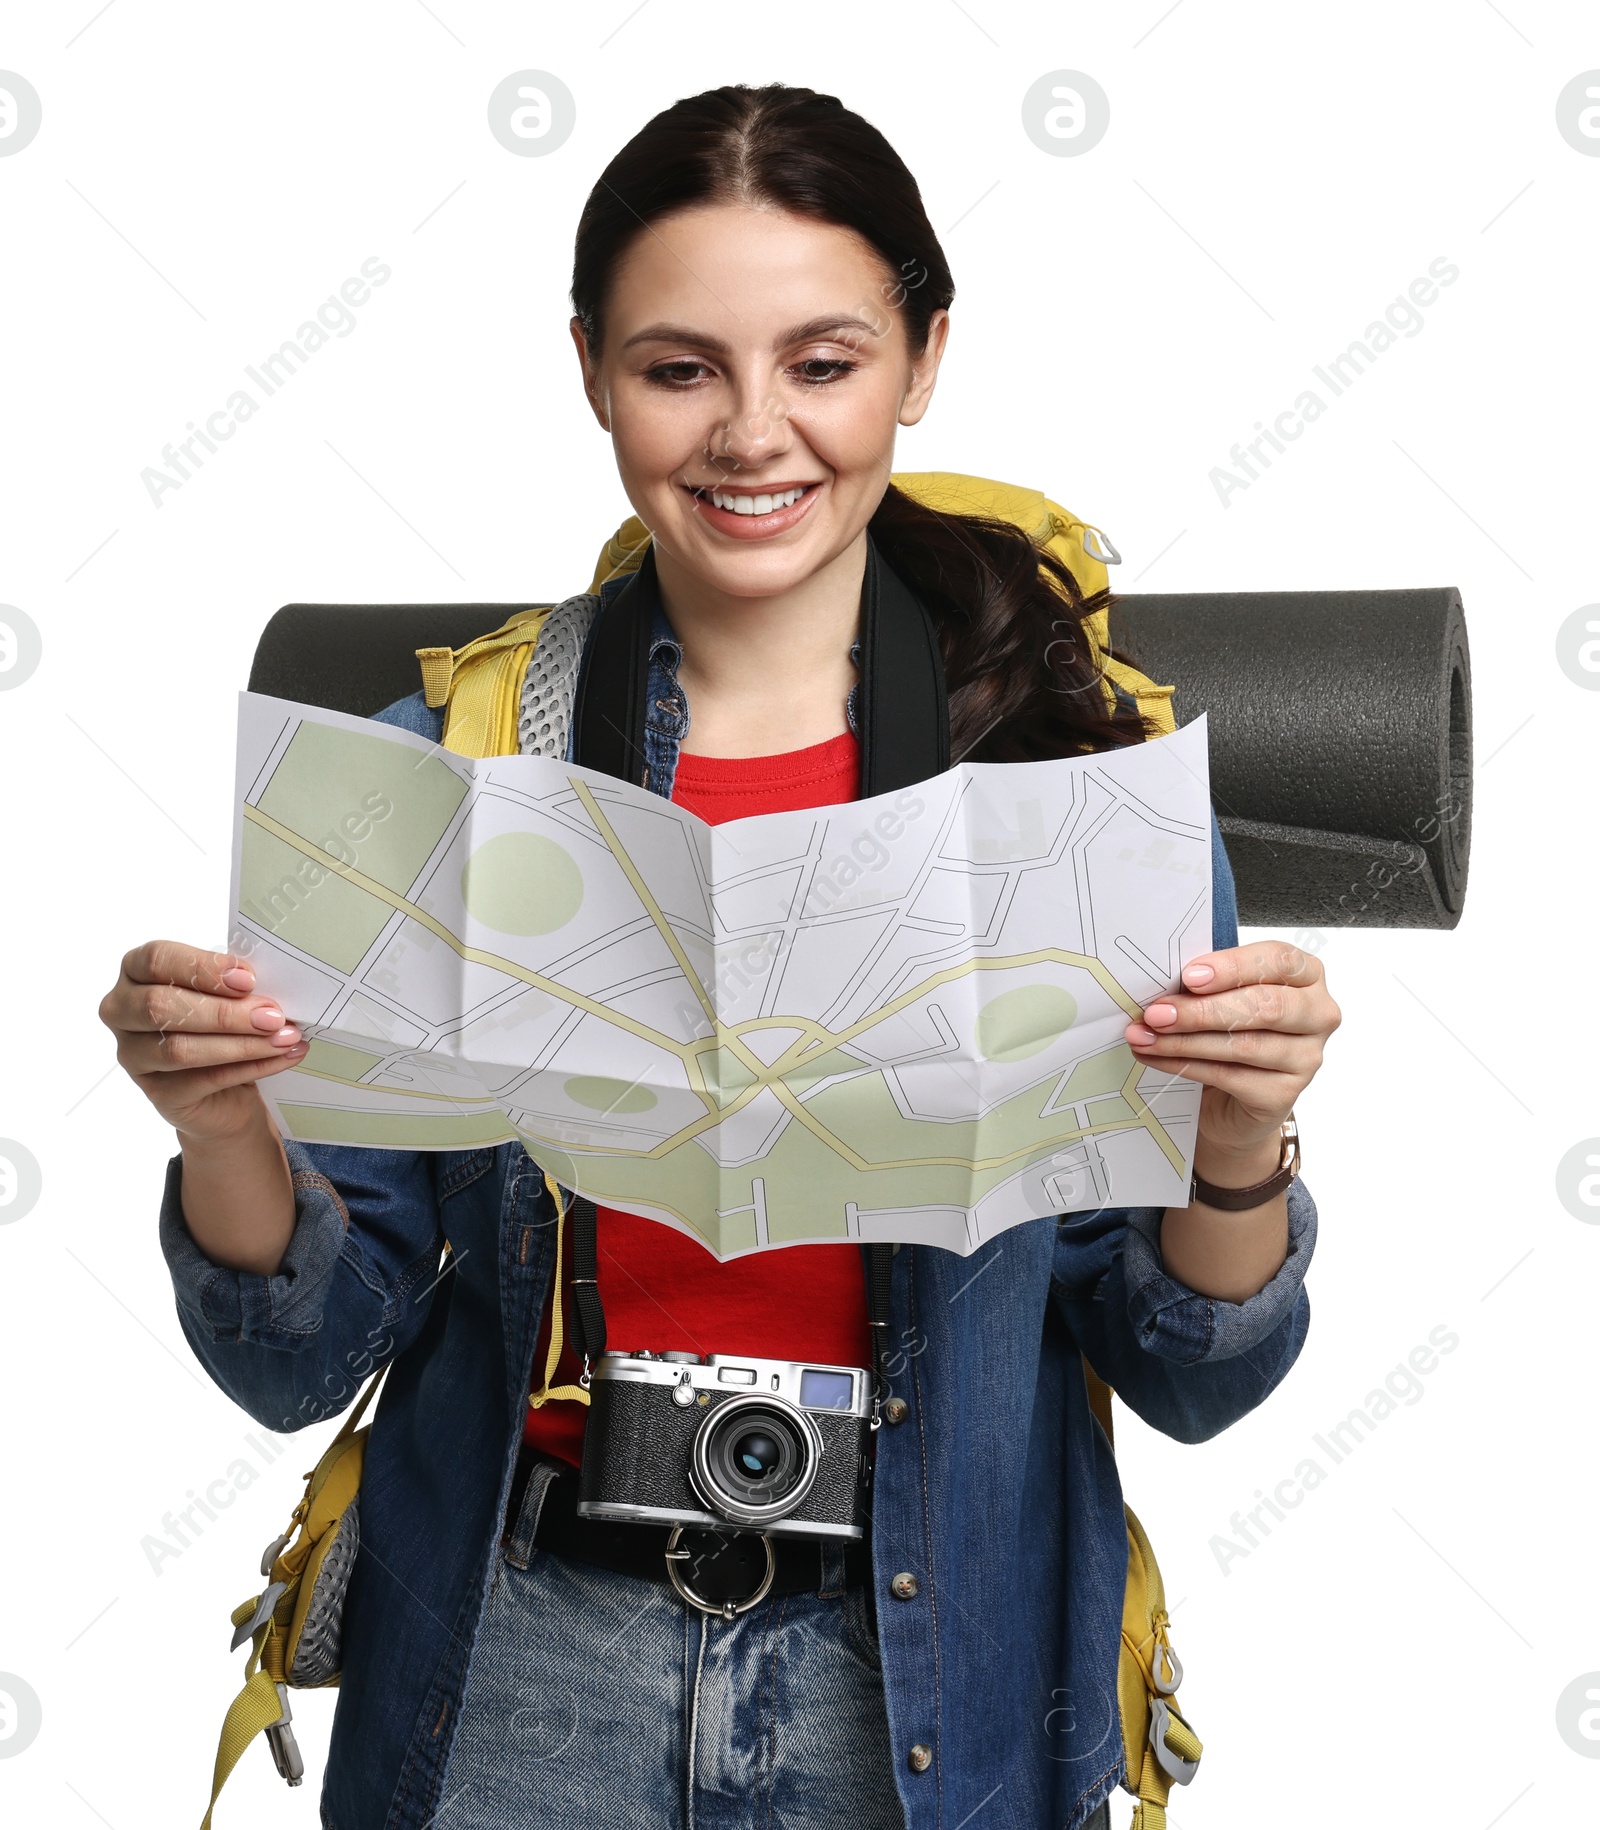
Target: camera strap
<point>903,723</point>
<point>588,1317</point>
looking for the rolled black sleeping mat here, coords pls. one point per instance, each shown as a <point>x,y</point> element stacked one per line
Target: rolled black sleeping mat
<point>358,658</point>
<point>1340,728</point>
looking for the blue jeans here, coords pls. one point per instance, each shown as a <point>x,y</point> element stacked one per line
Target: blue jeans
<point>603,1700</point>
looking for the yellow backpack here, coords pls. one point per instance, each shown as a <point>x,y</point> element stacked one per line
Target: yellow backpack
<point>480,688</point>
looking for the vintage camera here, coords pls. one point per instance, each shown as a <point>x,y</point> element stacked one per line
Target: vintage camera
<point>762,1445</point>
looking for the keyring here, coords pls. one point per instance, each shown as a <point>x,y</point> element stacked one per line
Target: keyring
<point>727,1609</point>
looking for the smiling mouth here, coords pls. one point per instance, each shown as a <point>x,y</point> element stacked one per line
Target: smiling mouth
<point>750,502</point>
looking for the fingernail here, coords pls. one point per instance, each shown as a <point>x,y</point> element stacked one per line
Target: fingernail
<point>1161,1013</point>
<point>286,1037</point>
<point>267,1017</point>
<point>1198,974</point>
<point>1137,1033</point>
<point>294,1054</point>
<point>238,978</point>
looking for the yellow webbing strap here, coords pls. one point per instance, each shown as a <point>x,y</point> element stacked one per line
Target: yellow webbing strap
<point>255,1708</point>
<point>539,1399</point>
<point>438,665</point>
<point>1150,1813</point>
<point>1182,1739</point>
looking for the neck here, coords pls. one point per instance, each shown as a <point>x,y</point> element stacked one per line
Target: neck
<point>763,675</point>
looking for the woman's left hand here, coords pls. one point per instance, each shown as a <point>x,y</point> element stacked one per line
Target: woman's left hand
<point>1251,1027</point>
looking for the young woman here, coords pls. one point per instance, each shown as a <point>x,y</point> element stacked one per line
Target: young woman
<point>759,304</point>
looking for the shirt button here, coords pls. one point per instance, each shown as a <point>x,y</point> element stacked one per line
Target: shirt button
<point>904,1586</point>
<point>896,1410</point>
<point>920,1758</point>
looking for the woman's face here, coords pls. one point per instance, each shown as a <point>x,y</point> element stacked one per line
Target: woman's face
<point>754,369</point>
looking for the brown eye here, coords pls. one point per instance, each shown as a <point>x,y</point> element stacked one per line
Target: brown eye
<point>675,374</point>
<point>822,369</point>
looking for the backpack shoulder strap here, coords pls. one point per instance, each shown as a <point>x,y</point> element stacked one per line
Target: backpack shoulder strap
<point>520,678</point>
<point>479,685</point>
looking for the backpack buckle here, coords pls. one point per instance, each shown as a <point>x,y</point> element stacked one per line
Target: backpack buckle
<point>265,1603</point>
<point>1172,1764</point>
<point>1098,546</point>
<point>285,1749</point>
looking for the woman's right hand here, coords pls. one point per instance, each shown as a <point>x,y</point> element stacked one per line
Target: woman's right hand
<point>195,1040</point>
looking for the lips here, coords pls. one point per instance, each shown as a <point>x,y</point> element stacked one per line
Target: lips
<point>750,526</point>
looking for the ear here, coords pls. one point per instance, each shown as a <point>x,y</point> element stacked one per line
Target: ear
<point>925,370</point>
<point>591,374</point>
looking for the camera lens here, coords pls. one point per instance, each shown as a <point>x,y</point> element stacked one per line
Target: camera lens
<point>757,1454</point>
<point>754,1459</point>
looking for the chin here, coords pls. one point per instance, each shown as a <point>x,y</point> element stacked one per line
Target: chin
<point>752,574</point>
<point>745,568</point>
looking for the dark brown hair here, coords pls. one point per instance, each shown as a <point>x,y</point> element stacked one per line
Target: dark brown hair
<point>1023,680</point>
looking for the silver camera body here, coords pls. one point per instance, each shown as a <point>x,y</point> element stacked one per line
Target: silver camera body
<point>773,1446</point>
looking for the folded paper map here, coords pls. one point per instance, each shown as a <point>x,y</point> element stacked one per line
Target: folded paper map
<point>899,1019</point>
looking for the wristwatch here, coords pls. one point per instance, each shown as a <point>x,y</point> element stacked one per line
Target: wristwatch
<point>1236,1200</point>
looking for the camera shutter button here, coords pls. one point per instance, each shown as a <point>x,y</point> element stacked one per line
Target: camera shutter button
<point>904,1587</point>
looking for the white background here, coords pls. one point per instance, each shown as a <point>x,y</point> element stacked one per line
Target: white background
<point>1272,178</point>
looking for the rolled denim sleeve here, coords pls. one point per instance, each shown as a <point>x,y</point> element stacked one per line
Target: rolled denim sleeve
<point>283,1310</point>
<point>294,1347</point>
<point>1188,1364</point>
<point>1177,1323</point>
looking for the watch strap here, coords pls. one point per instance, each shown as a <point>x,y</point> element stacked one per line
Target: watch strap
<point>1237,1200</point>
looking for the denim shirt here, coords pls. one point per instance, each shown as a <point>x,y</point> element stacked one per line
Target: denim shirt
<point>998,1490</point>
<point>666,721</point>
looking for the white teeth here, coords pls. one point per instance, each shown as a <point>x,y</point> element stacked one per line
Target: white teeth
<point>755,505</point>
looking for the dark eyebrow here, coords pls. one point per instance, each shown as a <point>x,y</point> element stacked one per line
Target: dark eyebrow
<point>676,333</point>
<point>798,333</point>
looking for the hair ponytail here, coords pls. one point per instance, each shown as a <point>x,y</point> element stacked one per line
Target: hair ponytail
<point>1021,669</point>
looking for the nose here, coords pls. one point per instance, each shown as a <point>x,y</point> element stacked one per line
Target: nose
<point>754,432</point>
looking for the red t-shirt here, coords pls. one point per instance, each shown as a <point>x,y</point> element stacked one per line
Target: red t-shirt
<point>660,1288</point>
